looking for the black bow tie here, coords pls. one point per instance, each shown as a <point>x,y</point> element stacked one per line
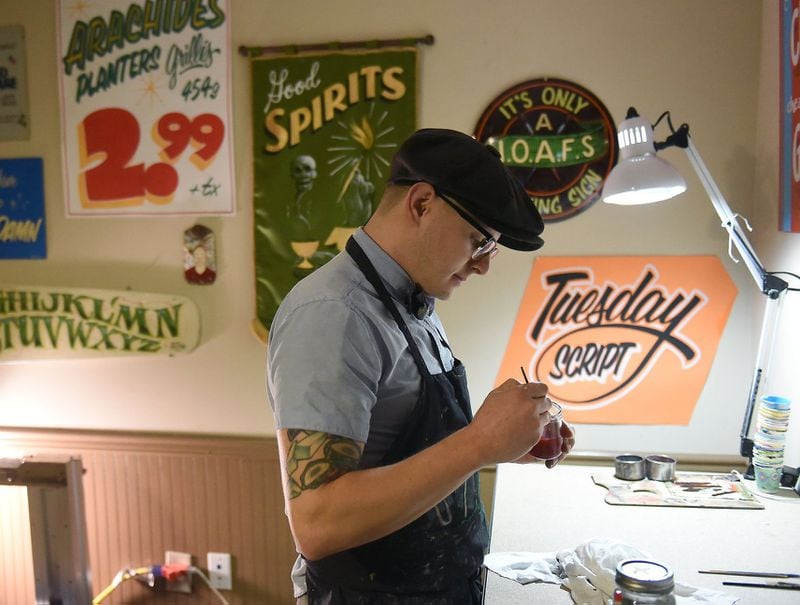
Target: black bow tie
<point>419,304</point>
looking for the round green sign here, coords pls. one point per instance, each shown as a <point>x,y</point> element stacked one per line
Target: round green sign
<point>557,138</point>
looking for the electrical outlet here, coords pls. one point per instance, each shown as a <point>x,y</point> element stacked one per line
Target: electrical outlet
<point>184,584</point>
<point>219,570</point>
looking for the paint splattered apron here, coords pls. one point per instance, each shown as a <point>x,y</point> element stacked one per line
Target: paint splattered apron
<point>435,560</point>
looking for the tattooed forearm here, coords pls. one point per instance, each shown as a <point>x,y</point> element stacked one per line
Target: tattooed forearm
<point>316,458</point>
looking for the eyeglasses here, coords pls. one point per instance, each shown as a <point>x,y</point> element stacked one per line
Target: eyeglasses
<point>488,245</point>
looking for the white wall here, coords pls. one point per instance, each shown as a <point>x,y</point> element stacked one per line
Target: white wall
<point>700,60</point>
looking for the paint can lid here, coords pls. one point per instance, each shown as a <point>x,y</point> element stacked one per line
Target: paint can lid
<point>647,577</point>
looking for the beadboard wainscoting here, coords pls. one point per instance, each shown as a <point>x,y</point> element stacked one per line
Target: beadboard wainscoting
<point>148,493</point>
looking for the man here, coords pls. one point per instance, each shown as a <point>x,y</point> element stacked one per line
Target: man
<point>378,447</point>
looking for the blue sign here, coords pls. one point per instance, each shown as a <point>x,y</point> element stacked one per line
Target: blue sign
<point>22,229</point>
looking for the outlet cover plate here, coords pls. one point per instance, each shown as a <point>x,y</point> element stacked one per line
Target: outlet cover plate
<point>219,570</point>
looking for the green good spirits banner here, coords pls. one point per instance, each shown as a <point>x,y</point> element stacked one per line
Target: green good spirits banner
<point>326,126</point>
<point>38,322</point>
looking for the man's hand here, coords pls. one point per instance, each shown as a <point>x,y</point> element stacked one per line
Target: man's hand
<point>567,443</point>
<point>568,436</point>
<point>510,420</point>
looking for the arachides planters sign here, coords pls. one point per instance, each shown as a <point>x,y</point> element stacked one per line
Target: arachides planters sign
<point>557,138</point>
<point>621,339</point>
<point>38,322</point>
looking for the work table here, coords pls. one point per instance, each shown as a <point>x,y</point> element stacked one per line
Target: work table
<point>544,510</point>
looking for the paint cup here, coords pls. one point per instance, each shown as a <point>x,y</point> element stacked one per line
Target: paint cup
<point>769,439</point>
<point>629,467</point>
<point>768,478</point>
<point>776,402</point>
<point>660,468</point>
<point>549,445</point>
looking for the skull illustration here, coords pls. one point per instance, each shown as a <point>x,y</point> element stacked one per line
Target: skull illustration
<point>304,171</point>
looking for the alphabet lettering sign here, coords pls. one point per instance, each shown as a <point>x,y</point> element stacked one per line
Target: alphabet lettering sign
<point>38,322</point>
<point>557,138</point>
<point>145,107</point>
<point>621,340</point>
<point>789,215</point>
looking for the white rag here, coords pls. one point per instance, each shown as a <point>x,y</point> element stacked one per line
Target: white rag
<point>588,572</point>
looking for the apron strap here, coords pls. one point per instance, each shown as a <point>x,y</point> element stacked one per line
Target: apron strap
<point>369,271</point>
<point>435,347</point>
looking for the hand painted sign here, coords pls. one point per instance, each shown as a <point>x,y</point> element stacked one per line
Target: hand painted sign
<point>38,322</point>
<point>789,215</point>
<point>22,216</point>
<point>557,138</point>
<point>624,340</point>
<point>14,122</point>
<point>326,127</point>
<point>145,107</point>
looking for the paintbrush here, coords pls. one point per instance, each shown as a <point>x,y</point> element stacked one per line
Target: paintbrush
<point>750,574</point>
<point>782,585</point>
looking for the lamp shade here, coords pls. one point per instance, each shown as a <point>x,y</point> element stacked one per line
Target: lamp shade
<point>640,177</point>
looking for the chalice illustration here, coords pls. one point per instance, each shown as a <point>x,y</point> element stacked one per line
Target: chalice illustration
<point>305,250</point>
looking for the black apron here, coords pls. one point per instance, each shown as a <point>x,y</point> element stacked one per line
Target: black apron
<point>436,559</point>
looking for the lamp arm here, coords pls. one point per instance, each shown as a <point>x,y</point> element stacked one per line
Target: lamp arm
<point>730,223</point>
<point>770,285</point>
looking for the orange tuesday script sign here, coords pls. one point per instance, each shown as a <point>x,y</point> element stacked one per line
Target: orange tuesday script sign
<point>622,339</point>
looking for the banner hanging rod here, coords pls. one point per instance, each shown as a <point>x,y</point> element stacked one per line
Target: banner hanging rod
<point>257,51</point>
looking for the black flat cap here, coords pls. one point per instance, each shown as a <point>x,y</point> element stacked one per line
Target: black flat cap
<point>472,173</point>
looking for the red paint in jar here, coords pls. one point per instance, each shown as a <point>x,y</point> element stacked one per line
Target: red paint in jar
<point>549,445</point>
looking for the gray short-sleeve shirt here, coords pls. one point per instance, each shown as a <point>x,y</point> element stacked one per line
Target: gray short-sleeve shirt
<point>337,361</point>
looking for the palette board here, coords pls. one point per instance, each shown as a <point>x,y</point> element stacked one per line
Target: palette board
<point>688,489</point>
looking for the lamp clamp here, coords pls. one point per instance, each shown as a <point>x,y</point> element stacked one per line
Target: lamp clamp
<point>774,286</point>
<point>678,138</point>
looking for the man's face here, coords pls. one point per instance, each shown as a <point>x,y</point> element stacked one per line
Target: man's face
<point>448,242</point>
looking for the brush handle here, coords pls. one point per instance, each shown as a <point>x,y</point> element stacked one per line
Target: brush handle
<point>750,574</point>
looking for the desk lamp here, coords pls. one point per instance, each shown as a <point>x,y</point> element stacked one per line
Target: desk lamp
<point>641,177</point>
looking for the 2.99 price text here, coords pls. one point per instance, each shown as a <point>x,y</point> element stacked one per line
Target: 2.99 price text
<point>112,135</point>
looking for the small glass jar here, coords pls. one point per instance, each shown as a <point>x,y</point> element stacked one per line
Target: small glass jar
<point>549,445</point>
<point>641,582</point>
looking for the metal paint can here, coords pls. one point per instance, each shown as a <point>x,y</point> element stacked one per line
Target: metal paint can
<point>629,467</point>
<point>660,468</point>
